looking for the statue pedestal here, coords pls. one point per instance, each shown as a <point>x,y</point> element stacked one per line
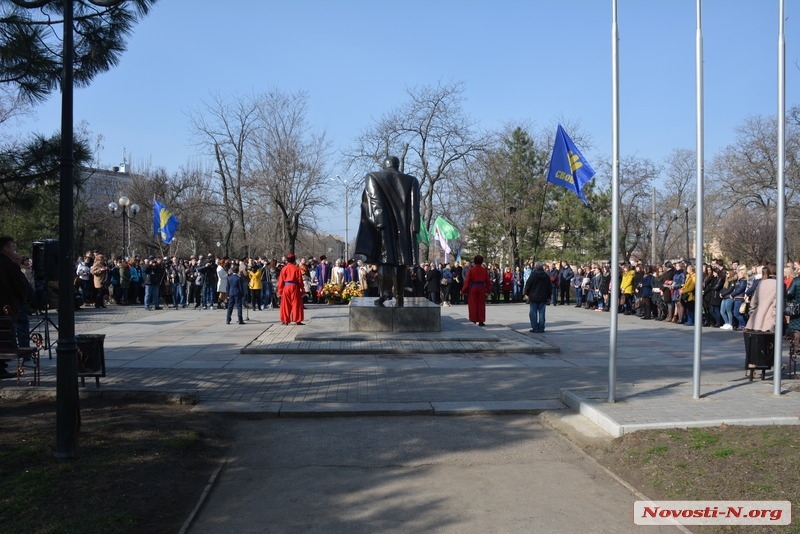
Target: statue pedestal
<point>418,314</point>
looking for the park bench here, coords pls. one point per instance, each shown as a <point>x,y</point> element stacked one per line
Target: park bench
<point>25,358</point>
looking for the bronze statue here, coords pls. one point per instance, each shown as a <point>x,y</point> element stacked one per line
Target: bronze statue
<point>387,235</point>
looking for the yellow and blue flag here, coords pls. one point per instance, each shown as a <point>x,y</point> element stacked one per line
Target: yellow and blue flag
<point>165,223</point>
<point>568,167</point>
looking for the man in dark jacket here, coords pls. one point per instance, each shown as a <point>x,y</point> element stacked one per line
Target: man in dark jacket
<point>433,279</point>
<point>236,288</point>
<point>552,272</point>
<point>537,291</point>
<point>565,276</point>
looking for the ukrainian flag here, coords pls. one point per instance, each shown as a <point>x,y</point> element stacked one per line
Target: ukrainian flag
<point>568,167</point>
<point>165,223</point>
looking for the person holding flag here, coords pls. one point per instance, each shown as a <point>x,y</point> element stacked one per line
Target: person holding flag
<point>568,168</point>
<point>165,224</point>
<point>444,231</point>
<point>442,241</point>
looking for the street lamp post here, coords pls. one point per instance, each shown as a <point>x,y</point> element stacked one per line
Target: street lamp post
<point>124,207</point>
<point>686,222</point>
<point>346,215</point>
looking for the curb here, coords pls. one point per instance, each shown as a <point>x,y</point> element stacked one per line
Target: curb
<point>590,410</point>
<point>356,409</point>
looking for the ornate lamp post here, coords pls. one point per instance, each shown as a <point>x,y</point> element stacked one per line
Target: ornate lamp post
<point>124,207</point>
<point>686,222</point>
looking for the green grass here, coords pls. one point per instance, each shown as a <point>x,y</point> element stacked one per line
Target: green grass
<point>702,439</point>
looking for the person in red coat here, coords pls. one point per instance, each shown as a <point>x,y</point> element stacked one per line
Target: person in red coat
<point>290,289</point>
<point>476,284</point>
<point>507,284</point>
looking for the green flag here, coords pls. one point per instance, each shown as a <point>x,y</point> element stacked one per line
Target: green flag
<point>423,236</point>
<point>446,228</point>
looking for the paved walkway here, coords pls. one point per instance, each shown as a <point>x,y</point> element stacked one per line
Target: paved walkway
<point>320,368</point>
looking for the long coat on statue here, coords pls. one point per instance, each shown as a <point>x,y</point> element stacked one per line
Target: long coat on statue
<point>390,219</point>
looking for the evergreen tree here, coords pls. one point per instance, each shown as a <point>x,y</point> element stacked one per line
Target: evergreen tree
<point>30,41</point>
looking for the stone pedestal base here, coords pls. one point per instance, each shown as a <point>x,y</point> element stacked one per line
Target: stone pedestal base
<point>417,315</point>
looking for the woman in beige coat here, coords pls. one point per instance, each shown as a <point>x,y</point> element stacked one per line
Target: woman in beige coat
<point>762,304</point>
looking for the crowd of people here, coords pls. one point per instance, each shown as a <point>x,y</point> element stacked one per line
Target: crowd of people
<point>202,281</point>
<point>667,292</point>
<point>661,293</point>
<point>730,293</point>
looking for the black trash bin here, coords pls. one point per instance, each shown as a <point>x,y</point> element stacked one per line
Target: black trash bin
<point>91,357</point>
<point>759,352</point>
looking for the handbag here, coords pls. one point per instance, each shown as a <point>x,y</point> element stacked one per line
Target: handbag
<point>792,308</point>
<point>744,308</point>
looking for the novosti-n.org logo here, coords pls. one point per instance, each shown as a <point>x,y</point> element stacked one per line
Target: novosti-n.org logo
<point>712,512</point>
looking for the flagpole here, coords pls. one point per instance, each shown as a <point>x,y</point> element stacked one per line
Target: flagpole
<point>612,345</point>
<point>539,226</point>
<point>698,247</point>
<point>781,219</point>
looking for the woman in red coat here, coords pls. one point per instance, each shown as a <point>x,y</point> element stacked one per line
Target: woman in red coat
<point>476,284</point>
<point>507,284</point>
<point>290,289</point>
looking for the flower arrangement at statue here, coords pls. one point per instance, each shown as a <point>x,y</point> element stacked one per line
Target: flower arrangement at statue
<point>352,289</point>
<point>330,291</point>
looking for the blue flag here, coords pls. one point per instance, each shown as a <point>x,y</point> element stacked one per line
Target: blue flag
<point>568,167</point>
<point>165,223</point>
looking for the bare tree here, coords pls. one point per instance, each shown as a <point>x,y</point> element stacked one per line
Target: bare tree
<point>636,177</point>
<point>290,161</point>
<point>749,234</point>
<point>227,131</point>
<point>745,172</point>
<point>433,138</point>
<point>673,197</point>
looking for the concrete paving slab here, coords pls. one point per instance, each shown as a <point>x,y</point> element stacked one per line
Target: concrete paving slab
<point>191,350</point>
<point>672,406</point>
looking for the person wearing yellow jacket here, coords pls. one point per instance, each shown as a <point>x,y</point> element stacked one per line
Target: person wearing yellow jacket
<point>688,290</point>
<point>626,289</point>
<point>255,271</point>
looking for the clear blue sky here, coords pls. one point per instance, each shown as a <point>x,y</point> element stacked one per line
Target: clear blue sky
<point>532,61</point>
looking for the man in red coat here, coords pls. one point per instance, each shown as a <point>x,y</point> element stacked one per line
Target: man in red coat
<point>290,289</point>
<point>476,284</point>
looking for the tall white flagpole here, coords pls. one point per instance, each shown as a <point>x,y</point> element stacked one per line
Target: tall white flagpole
<point>698,242</point>
<point>781,218</point>
<point>614,293</point>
